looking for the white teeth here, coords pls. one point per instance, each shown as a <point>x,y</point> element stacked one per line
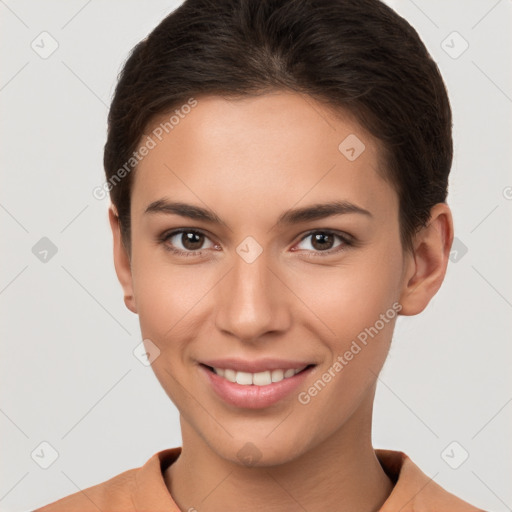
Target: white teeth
<point>262,378</point>
<point>277,375</point>
<point>229,375</point>
<point>243,378</point>
<point>258,379</point>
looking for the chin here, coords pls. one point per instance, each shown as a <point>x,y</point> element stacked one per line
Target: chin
<point>261,451</point>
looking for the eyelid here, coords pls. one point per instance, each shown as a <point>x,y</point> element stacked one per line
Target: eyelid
<point>166,235</point>
<point>346,239</point>
<point>341,234</point>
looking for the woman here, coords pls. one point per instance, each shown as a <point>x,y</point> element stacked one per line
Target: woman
<point>278,174</point>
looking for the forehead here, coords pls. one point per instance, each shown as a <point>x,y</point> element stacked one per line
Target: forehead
<point>272,149</point>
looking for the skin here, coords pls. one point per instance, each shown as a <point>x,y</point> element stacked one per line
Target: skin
<point>249,160</point>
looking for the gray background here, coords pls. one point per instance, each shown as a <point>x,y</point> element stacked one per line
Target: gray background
<point>68,374</point>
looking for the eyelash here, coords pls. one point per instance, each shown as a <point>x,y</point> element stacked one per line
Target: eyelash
<point>347,242</point>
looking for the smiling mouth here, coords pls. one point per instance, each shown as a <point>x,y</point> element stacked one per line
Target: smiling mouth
<point>264,378</point>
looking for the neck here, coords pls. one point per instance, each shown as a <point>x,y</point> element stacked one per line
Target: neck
<point>341,473</point>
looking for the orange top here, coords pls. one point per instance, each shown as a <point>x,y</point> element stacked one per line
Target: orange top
<point>143,489</point>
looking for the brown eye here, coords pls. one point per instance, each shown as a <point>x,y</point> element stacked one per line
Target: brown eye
<point>191,240</point>
<point>185,241</point>
<point>324,242</point>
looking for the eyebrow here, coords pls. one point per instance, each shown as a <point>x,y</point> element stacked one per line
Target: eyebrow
<point>293,216</point>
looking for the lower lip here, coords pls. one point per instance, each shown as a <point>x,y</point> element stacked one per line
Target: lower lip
<point>252,396</point>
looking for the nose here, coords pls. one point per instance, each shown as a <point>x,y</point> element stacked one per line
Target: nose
<point>252,301</point>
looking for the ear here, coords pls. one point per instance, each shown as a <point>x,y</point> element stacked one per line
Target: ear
<point>122,261</point>
<point>426,266</point>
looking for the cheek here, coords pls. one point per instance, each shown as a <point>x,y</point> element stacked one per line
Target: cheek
<point>358,304</point>
<point>167,296</point>
<point>352,297</point>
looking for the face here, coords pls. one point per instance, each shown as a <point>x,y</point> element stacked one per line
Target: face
<point>268,283</point>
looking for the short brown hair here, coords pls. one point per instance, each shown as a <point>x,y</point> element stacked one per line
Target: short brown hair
<point>358,56</point>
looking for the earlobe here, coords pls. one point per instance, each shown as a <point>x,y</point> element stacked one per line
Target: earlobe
<point>122,261</point>
<point>427,265</point>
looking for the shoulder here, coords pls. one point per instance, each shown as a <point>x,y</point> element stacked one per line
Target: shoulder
<point>137,489</point>
<point>414,490</point>
<point>113,495</point>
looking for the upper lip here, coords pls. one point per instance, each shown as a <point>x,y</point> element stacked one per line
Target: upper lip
<point>255,366</point>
